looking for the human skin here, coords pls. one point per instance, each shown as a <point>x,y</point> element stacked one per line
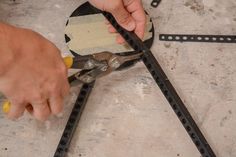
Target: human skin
<point>33,75</point>
<point>128,13</point>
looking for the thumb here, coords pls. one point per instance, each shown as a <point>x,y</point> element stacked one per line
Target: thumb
<point>123,17</point>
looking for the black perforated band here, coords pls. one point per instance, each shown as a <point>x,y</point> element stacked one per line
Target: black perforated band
<point>71,125</point>
<point>166,88</point>
<point>198,38</point>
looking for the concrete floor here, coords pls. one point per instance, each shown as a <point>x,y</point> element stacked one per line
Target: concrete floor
<point>138,122</point>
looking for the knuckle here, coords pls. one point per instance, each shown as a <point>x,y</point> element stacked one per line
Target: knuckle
<point>53,87</point>
<point>115,6</point>
<point>37,97</point>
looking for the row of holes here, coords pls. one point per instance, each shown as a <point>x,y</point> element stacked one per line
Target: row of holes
<point>71,120</point>
<point>122,32</point>
<point>174,106</point>
<point>198,38</point>
<point>149,66</point>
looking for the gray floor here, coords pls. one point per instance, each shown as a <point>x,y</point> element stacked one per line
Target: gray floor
<point>127,114</point>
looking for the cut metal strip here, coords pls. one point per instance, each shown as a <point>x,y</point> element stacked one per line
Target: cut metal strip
<point>166,87</point>
<point>198,38</point>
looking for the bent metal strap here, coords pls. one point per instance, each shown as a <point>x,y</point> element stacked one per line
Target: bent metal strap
<point>166,87</point>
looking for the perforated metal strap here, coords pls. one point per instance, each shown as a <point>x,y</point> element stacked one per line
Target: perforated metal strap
<point>166,88</point>
<point>71,125</point>
<point>198,38</point>
<point>155,3</point>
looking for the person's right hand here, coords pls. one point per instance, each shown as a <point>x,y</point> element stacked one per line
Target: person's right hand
<point>33,75</point>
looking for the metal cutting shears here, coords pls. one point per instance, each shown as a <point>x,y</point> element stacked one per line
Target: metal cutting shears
<point>91,67</point>
<point>97,65</point>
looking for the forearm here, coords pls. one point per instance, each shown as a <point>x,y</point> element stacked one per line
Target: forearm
<point>6,55</point>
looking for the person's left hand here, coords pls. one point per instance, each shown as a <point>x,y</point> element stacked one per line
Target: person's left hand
<point>128,13</point>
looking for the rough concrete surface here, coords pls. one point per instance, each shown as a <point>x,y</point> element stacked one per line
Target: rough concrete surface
<point>127,114</point>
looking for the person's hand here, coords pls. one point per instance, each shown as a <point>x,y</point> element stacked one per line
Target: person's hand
<point>128,13</point>
<point>33,75</point>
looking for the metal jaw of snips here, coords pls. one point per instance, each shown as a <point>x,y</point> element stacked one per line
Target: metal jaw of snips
<point>97,65</point>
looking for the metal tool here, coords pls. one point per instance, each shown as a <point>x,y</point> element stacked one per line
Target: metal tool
<point>97,65</point>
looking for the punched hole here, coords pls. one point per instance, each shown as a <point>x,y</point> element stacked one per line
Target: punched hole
<point>80,99</point>
<point>229,39</point>
<point>65,135</point>
<point>202,151</point>
<point>177,38</point>
<point>170,99</point>
<point>207,38</point>
<point>149,66</point>
<point>83,92</point>
<point>179,114</point>
<point>63,142</point>
<point>74,114</point>
<point>170,37</point>
<point>197,143</point>
<point>85,86</point>
<point>165,92</point>
<point>77,108</point>
<point>221,39</point>
<point>68,127</point>
<point>174,107</point>
<point>153,73</point>
<point>193,136</point>
<point>154,4</point>
<point>72,120</point>
<point>59,150</point>
<point>185,38</point>
<point>199,38</point>
<point>214,38</point>
<point>188,128</point>
<point>161,85</point>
